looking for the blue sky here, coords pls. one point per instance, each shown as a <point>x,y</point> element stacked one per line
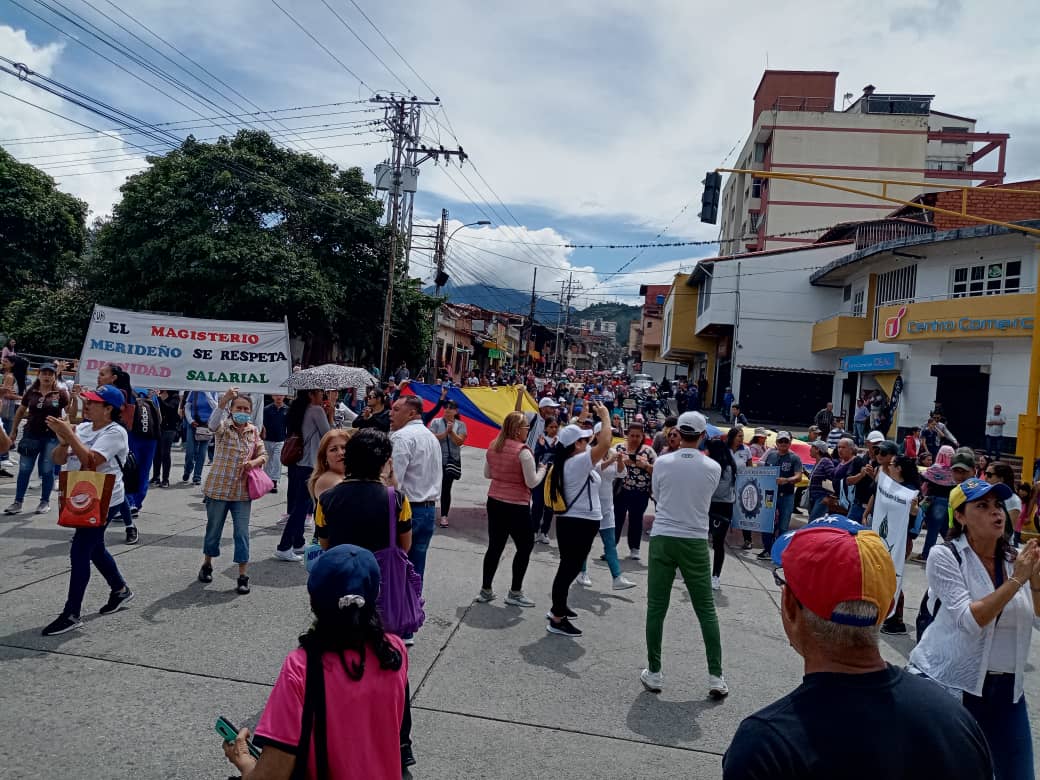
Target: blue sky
<point>594,122</point>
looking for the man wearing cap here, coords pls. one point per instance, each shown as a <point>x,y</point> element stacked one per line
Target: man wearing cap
<point>859,476</point>
<point>962,465</point>
<point>822,471</point>
<point>790,466</point>
<point>854,716</point>
<point>683,482</point>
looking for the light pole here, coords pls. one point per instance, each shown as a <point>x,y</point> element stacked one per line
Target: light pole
<point>440,253</point>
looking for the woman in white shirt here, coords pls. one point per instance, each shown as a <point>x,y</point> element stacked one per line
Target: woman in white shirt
<point>988,603</point>
<point>575,480</point>
<point>742,456</point>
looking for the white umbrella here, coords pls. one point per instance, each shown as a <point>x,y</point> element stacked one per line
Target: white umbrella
<point>331,377</point>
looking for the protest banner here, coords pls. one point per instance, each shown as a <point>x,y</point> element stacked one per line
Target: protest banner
<point>755,507</point>
<point>891,518</point>
<point>178,353</point>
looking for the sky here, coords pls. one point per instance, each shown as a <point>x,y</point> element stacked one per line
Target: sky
<point>585,122</point>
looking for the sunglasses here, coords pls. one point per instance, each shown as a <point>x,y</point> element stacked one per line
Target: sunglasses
<point>990,474</point>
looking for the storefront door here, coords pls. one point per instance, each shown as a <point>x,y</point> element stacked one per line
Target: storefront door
<point>963,392</point>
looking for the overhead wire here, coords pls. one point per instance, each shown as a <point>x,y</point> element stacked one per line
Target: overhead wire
<point>369,48</point>
<point>322,46</point>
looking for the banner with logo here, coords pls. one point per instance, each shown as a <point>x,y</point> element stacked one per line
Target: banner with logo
<point>891,519</point>
<point>755,507</point>
<point>178,353</point>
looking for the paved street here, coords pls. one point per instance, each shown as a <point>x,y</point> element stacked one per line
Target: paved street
<point>135,695</point>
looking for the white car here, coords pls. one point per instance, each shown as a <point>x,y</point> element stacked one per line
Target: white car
<point>641,382</point>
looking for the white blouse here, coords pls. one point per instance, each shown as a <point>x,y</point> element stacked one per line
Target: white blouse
<point>955,650</point>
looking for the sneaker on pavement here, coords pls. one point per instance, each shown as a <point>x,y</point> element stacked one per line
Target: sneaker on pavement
<point>5,473</point>
<point>542,539</point>
<point>206,573</point>
<point>117,600</point>
<point>43,508</point>
<point>745,546</point>
<point>62,624</point>
<point>299,550</point>
<point>186,477</point>
<point>275,488</point>
<point>584,579</point>
<point>620,583</point>
<point>633,555</point>
<point>242,587</point>
<point>165,483</point>
<point>407,756</point>
<point>517,598</point>
<point>763,555</point>
<point>409,641</point>
<point>287,555</point>
<point>131,534</point>
<point>717,688</point>
<point>486,595</point>
<point>652,681</point>
<point>283,519</point>
<point>716,583</point>
<point>894,627</point>
<point>135,511</point>
<point>13,509</point>
<point>571,614</point>
<point>563,628</point>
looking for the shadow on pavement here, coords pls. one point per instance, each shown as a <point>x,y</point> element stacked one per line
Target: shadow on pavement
<point>195,594</point>
<point>492,616</point>
<point>663,721</point>
<point>593,600</point>
<point>554,653</point>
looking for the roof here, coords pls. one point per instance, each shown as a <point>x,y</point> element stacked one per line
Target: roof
<point>982,231</point>
<point>768,72</point>
<point>954,116</point>
<point>698,274</point>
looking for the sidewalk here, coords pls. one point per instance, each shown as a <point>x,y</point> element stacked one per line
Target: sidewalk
<point>135,694</point>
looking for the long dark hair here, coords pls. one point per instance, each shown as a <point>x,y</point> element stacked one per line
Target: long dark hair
<point>354,628</point>
<point>560,456</point>
<point>20,371</point>
<point>297,411</point>
<point>719,451</point>
<point>908,473</point>
<point>122,381</point>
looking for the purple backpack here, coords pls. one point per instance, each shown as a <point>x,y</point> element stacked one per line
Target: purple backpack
<point>400,601</point>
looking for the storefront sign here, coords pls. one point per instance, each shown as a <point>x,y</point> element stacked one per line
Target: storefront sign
<point>983,317</point>
<point>883,361</point>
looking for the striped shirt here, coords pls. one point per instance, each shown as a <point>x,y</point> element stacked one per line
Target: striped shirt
<point>226,481</point>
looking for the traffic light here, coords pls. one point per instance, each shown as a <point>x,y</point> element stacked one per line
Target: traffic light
<point>710,199</point>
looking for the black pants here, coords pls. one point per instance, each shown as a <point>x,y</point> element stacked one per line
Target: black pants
<point>504,521</point>
<point>406,719</point>
<point>574,537</point>
<point>300,504</point>
<point>446,482</point>
<point>630,504</point>
<point>161,464</point>
<point>719,514</point>
<point>541,515</point>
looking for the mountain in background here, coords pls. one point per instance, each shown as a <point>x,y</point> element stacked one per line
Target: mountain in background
<point>547,311</point>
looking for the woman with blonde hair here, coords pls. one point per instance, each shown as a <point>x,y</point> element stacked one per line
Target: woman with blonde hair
<point>511,467</point>
<point>329,465</point>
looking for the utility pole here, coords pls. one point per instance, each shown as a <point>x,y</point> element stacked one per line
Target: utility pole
<point>567,305</point>
<point>559,322</point>
<point>438,280</point>
<point>399,177</point>
<point>528,333</point>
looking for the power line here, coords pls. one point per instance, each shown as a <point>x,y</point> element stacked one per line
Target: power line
<point>369,48</point>
<point>395,51</point>
<point>322,46</point>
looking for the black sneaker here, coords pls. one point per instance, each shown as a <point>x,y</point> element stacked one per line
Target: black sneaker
<point>206,573</point>
<point>243,585</point>
<point>275,490</point>
<point>165,483</point>
<point>763,556</point>
<point>407,757</point>
<point>745,546</point>
<point>570,614</point>
<point>894,627</point>
<point>131,534</point>
<point>117,601</point>
<point>135,511</point>
<point>153,482</point>
<point>196,482</point>
<point>62,624</point>
<point>185,478</point>
<point>563,628</point>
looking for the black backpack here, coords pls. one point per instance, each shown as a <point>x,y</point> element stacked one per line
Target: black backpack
<point>925,617</point>
<point>147,420</point>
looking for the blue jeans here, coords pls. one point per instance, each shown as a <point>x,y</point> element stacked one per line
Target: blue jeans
<point>856,513</point>
<point>422,533</point>
<point>994,444</point>
<point>216,513</point>
<point>88,546</point>
<point>1005,725</point>
<point>300,505</point>
<point>144,452</point>
<point>819,509</point>
<point>45,468</point>
<point>784,510</point>
<point>194,455</point>
<point>938,520</point>
<point>861,430</point>
<point>609,551</point>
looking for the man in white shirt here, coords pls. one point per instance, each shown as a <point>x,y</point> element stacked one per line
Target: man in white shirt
<point>995,432</point>
<point>683,482</point>
<point>417,471</point>
<point>547,409</point>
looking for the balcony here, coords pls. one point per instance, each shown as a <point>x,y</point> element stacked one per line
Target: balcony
<point>840,332</point>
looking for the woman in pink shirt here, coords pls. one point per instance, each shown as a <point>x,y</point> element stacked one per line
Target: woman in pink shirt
<point>340,697</point>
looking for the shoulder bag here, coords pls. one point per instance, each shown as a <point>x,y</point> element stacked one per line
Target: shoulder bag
<point>257,481</point>
<point>201,431</point>
<point>400,601</point>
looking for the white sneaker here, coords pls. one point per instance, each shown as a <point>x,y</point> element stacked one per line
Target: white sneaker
<point>716,583</point>
<point>584,579</point>
<point>15,508</point>
<point>517,599</point>
<point>43,508</point>
<point>287,555</point>
<point>542,538</point>
<point>485,596</point>
<point>652,681</point>
<point>633,555</point>
<point>283,519</point>
<point>620,583</point>
<point>717,688</point>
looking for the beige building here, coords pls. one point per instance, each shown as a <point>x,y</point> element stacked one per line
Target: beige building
<point>797,129</point>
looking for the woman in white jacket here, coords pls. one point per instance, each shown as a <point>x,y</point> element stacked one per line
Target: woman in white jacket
<point>986,602</point>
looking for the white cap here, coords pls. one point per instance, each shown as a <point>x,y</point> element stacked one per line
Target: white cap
<point>597,428</point>
<point>692,422</point>
<point>547,401</point>
<point>875,437</point>
<point>571,433</point>
<point>783,435</point>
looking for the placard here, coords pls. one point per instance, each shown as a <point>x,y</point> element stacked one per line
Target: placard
<point>755,507</point>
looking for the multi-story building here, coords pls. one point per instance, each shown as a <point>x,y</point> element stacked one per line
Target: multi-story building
<point>650,320</point>
<point>796,128</point>
<point>680,342</point>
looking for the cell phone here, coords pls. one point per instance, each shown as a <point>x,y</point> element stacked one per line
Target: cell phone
<point>226,729</point>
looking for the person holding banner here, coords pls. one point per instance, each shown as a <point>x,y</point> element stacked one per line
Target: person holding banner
<point>42,400</point>
<point>986,603</point>
<point>99,444</point>
<point>196,407</point>
<point>790,466</point>
<point>239,448</point>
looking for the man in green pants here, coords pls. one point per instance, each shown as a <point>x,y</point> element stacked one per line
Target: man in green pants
<point>683,483</point>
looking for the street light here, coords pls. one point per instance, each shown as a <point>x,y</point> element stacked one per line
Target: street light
<point>441,279</point>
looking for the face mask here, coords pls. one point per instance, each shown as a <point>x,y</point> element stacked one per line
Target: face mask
<point>241,418</point>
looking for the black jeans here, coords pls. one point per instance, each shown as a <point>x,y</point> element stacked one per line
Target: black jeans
<point>574,537</point>
<point>300,504</point>
<point>504,521</point>
<point>719,514</point>
<point>161,464</point>
<point>631,504</point>
<point>446,483</point>
<point>541,515</point>
<point>406,718</point>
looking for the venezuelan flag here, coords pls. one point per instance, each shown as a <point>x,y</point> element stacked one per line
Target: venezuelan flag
<point>482,409</point>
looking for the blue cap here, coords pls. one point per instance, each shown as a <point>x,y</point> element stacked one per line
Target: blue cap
<point>342,577</point>
<point>48,367</point>
<point>106,394</point>
<point>827,521</point>
<point>973,488</point>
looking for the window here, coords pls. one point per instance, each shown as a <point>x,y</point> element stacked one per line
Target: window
<point>898,286</point>
<point>756,188</point>
<point>755,217</point>
<point>649,324</point>
<point>704,299</point>
<point>857,302</point>
<point>995,278</point>
<point>846,293</point>
<point>955,130</point>
<point>760,152</point>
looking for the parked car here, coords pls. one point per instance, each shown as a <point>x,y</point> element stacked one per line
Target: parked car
<point>641,382</point>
